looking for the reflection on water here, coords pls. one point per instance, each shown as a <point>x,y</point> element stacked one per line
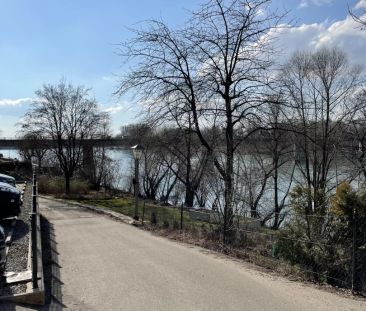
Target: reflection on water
<point>124,165</point>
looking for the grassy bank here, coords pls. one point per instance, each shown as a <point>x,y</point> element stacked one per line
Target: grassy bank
<point>165,216</point>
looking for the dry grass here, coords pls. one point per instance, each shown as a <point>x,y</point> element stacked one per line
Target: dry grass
<point>258,255</point>
<point>56,187</point>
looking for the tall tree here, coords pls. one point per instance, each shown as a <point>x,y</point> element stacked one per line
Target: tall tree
<point>33,145</point>
<point>276,144</point>
<point>102,164</point>
<point>356,130</point>
<point>318,86</point>
<point>213,68</point>
<point>66,116</point>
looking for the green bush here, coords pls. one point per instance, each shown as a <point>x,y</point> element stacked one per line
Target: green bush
<point>320,242</point>
<point>176,225</point>
<point>166,224</point>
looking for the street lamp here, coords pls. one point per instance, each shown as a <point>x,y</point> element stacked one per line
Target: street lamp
<point>34,164</point>
<point>34,197</point>
<point>137,153</point>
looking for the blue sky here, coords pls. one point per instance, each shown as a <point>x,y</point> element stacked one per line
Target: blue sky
<point>42,41</point>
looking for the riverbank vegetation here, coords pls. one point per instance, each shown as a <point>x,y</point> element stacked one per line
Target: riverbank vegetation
<point>230,128</point>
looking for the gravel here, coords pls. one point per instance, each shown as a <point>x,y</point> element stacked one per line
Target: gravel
<point>17,259</point>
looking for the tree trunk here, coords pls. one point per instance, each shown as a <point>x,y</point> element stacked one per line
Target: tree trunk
<point>276,205</point>
<point>67,184</point>
<point>228,208</point>
<point>189,197</point>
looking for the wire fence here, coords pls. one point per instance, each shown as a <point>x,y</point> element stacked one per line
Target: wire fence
<point>322,248</point>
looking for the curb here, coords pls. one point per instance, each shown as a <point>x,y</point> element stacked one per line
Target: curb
<point>32,296</point>
<point>36,297</point>
<point>99,210</point>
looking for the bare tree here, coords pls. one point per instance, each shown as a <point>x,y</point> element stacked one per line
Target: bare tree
<point>67,117</point>
<point>252,176</point>
<point>356,134</point>
<point>318,87</point>
<point>138,133</point>
<point>155,172</point>
<point>189,160</point>
<point>277,142</point>
<point>214,68</point>
<point>33,145</point>
<point>102,163</point>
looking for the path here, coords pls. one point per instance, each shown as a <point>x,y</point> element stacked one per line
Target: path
<point>107,265</point>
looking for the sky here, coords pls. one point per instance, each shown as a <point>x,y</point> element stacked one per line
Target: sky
<point>42,42</point>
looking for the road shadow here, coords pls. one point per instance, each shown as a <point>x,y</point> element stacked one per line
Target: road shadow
<point>21,230</point>
<point>51,273</point>
<point>51,268</point>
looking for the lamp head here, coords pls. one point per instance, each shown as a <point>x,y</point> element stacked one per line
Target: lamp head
<point>137,151</point>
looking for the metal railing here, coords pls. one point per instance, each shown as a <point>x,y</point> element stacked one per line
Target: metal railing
<point>34,233</point>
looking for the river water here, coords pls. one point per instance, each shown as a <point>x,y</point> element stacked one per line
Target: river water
<point>123,170</point>
<point>122,157</point>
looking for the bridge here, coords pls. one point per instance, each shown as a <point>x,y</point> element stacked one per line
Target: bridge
<point>14,143</point>
<point>17,143</point>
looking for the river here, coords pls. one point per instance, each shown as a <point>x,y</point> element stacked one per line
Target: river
<point>123,170</point>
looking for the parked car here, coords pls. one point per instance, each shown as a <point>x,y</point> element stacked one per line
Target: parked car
<point>10,200</point>
<point>2,249</point>
<point>7,179</point>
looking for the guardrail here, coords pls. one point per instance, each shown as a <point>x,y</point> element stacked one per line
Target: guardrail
<point>34,233</point>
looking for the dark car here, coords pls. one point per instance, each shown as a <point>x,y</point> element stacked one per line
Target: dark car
<point>10,200</point>
<point>7,179</point>
<point>2,249</point>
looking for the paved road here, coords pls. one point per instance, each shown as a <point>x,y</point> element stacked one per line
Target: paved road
<point>106,265</point>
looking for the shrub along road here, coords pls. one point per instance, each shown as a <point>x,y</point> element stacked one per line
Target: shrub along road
<point>108,265</point>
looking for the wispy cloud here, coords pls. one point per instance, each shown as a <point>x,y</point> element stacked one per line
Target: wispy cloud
<point>115,108</point>
<point>361,4</point>
<point>108,78</point>
<point>307,3</point>
<point>15,102</point>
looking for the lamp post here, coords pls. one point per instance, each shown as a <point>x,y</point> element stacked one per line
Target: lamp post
<point>137,153</point>
<point>34,167</point>
<point>33,160</point>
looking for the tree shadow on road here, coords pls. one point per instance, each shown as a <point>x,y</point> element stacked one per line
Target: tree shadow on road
<point>51,268</point>
<point>51,273</point>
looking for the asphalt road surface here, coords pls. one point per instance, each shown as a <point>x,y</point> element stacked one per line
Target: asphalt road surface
<point>106,265</point>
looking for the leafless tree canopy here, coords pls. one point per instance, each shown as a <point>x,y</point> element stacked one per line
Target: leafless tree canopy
<point>318,88</point>
<point>67,116</point>
<point>214,68</point>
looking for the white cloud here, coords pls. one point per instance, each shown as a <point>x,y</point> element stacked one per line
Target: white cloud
<point>303,4</point>
<point>108,78</point>
<point>15,102</point>
<point>344,34</point>
<point>115,108</point>
<point>306,3</point>
<point>361,4</point>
